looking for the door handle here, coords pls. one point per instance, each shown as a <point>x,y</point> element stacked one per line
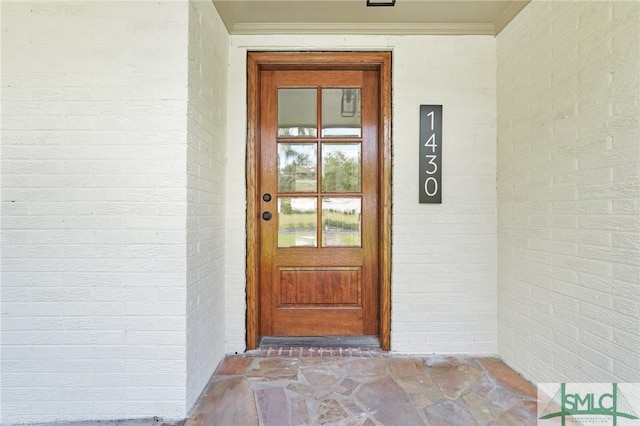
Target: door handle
<point>267,215</point>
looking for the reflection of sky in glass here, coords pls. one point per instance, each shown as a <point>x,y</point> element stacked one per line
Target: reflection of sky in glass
<point>299,204</point>
<point>349,151</point>
<point>341,204</point>
<point>341,131</point>
<point>295,151</point>
<point>294,132</point>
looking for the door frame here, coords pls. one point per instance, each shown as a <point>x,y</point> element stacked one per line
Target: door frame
<point>258,61</point>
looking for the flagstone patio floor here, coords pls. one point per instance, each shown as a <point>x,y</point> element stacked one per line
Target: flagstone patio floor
<point>333,386</point>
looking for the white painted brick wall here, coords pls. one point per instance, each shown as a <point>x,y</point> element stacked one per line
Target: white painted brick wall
<point>94,153</point>
<point>206,141</point>
<point>444,256</point>
<point>569,191</point>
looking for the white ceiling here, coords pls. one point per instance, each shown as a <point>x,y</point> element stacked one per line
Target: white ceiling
<point>487,17</point>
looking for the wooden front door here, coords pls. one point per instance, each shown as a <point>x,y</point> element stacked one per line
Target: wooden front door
<point>318,189</point>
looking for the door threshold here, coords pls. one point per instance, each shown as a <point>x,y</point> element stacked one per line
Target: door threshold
<point>372,342</point>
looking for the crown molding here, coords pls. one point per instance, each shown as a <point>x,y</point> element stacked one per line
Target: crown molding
<point>507,16</point>
<point>363,29</point>
<point>225,14</point>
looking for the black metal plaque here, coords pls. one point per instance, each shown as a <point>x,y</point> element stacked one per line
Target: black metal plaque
<point>430,180</point>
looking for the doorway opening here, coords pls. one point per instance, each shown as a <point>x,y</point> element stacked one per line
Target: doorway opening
<point>319,197</point>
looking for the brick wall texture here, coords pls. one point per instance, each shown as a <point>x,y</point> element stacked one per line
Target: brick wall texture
<point>569,191</point>
<point>206,141</point>
<point>123,199</point>
<point>113,141</point>
<point>444,294</point>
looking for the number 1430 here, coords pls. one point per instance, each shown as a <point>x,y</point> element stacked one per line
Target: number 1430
<point>430,153</point>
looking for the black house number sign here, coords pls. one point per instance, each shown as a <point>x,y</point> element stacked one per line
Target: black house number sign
<point>430,180</point>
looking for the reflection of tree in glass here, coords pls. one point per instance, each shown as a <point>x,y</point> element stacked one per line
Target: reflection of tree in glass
<point>341,173</point>
<point>299,168</point>
<point>284,132</point>
<point>285,206</point>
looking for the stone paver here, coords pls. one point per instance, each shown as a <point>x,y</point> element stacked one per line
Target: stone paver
<point>273,407</point>
<point>507,376</point>
<point>233,365</point>
<point>388,403</point>
<point>329,386</point>
<point>455,380</point>
<point>450,413</point>
<point>229,401</point>
<point>274,369</point>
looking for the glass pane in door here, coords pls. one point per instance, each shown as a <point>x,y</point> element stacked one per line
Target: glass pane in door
<point>341,222</point>
<point>297,113</point>
<point>297,167</point>
<point>341,115</point>
<point>297,222</point>
<point>341,167</point>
